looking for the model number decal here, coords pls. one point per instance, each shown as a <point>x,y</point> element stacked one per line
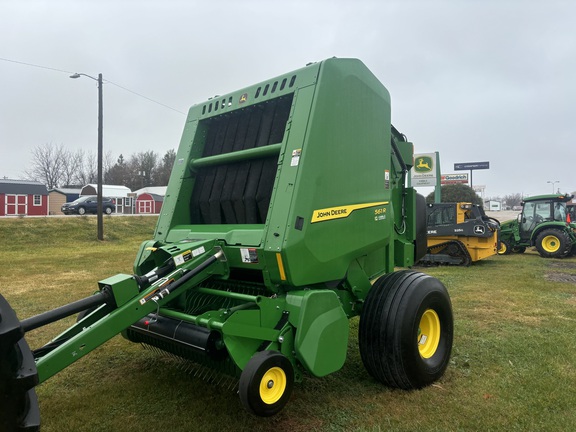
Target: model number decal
<point>342,212</point>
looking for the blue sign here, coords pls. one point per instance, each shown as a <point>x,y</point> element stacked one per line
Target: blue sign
<point>472,165</point>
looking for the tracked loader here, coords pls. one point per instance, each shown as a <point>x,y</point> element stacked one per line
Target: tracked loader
<point>459,234</point>
<point>285,216</point>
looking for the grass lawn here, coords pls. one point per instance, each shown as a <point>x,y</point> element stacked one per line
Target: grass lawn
<point>513,363</point>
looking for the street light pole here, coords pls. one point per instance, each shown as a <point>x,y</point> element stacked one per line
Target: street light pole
<point>553,183</point>
<point>99,213</point>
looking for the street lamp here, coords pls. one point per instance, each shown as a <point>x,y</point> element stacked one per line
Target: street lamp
<point>99,187</point>
<point>553,183</point>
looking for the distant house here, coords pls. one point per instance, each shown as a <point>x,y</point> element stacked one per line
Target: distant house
<point>23,198</point>
<point>149,200</point>
<point>59,196</point>
<point>492,205</point>
<point>120,194</point>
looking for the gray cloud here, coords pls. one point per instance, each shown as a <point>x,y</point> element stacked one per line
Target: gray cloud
<point>474,80</point>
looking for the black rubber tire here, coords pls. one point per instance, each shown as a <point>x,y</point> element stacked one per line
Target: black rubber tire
<point>108,210</point>
<point>81,211</point>
<point>390,327</point>
<point>553,243</point>
<point>505,247</point>
<point>251,379</point>
<point>19,410</point>
<point>519,249</point>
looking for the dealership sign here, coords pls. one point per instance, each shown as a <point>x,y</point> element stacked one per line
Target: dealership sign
<point>471,166</point>
<point>424,169</point>
<point>447,179</point>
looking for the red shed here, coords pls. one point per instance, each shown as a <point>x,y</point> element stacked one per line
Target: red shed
<point>23,198</point>
<point>149,203</point>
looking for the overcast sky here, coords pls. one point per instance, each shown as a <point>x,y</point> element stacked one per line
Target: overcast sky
<point>475,80</point>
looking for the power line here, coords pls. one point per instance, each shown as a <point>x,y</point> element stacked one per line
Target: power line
<point>35,65</point>
<point>108,81</point>
<point>145,97</point>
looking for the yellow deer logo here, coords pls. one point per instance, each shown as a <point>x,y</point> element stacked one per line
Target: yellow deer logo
<point>422,164</point>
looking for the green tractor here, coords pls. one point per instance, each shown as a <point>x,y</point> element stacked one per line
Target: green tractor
<point>286,215</point>
<point>545,224</point>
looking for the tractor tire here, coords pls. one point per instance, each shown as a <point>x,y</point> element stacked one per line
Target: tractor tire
<point>519,249</point>
<point>553,243</point>
<point>505,247</point>
<point>19,410</point>
<point>266,383</point>
<point>406,330</point>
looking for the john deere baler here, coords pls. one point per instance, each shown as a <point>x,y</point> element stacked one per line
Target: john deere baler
<point>286,215</point>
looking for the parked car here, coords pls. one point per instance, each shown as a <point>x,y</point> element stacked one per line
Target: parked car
<point>88,204</point>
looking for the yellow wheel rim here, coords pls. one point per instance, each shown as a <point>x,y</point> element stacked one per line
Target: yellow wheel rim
<point>502,249</point>
<point>550,243</point>
<point>428,333</point>
<point>272,385</point>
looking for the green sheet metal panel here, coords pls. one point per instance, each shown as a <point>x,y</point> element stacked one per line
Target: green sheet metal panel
<point>324,192</point>
<point>334,197</point>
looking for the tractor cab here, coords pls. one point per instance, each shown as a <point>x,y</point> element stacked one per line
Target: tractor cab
<point>539,209</point>
<point>544,223</point>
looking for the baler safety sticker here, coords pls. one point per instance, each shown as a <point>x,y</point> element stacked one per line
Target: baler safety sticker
<point>341,212</point>
<point>182,258</point>
<point>249,255</point>
<point>295,157</point>
<point>198,251</point>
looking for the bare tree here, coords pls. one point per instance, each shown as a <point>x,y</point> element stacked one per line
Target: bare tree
<point>141,170</point>
<point>72,161</point>
<point>165,168</point>
<point>47,164</point>
<point>87,170</point>
<point>513,200</point>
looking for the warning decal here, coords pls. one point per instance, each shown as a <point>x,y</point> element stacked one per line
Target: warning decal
<point>249,255</point>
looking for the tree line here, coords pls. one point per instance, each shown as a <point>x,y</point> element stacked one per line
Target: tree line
<point>57,166</point>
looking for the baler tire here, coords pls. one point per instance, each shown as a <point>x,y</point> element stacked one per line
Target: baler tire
<point>406,330</point>
<point>266,383</point>
<point>553,243</point>
<point>19,410</point>
<point>505,247</point>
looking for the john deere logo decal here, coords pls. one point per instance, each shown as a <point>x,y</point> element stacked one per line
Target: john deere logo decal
<point>243,98</point>
<point>423,164</point>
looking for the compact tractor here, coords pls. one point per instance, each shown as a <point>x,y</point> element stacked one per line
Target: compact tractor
<point>286,215</point>
<point>459,234</point>
<point>544,223</point>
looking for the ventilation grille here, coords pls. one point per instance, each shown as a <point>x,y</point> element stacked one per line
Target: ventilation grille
<point>270,88</point>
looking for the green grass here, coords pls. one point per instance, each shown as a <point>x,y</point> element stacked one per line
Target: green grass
<point>513,364</point>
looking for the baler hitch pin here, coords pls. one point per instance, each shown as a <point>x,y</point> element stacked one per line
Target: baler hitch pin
<point>154,317</point>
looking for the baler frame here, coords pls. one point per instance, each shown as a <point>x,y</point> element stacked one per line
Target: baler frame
<point>266,247</point>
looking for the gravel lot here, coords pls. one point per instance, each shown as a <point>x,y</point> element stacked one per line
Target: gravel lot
<point>503,216</point>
